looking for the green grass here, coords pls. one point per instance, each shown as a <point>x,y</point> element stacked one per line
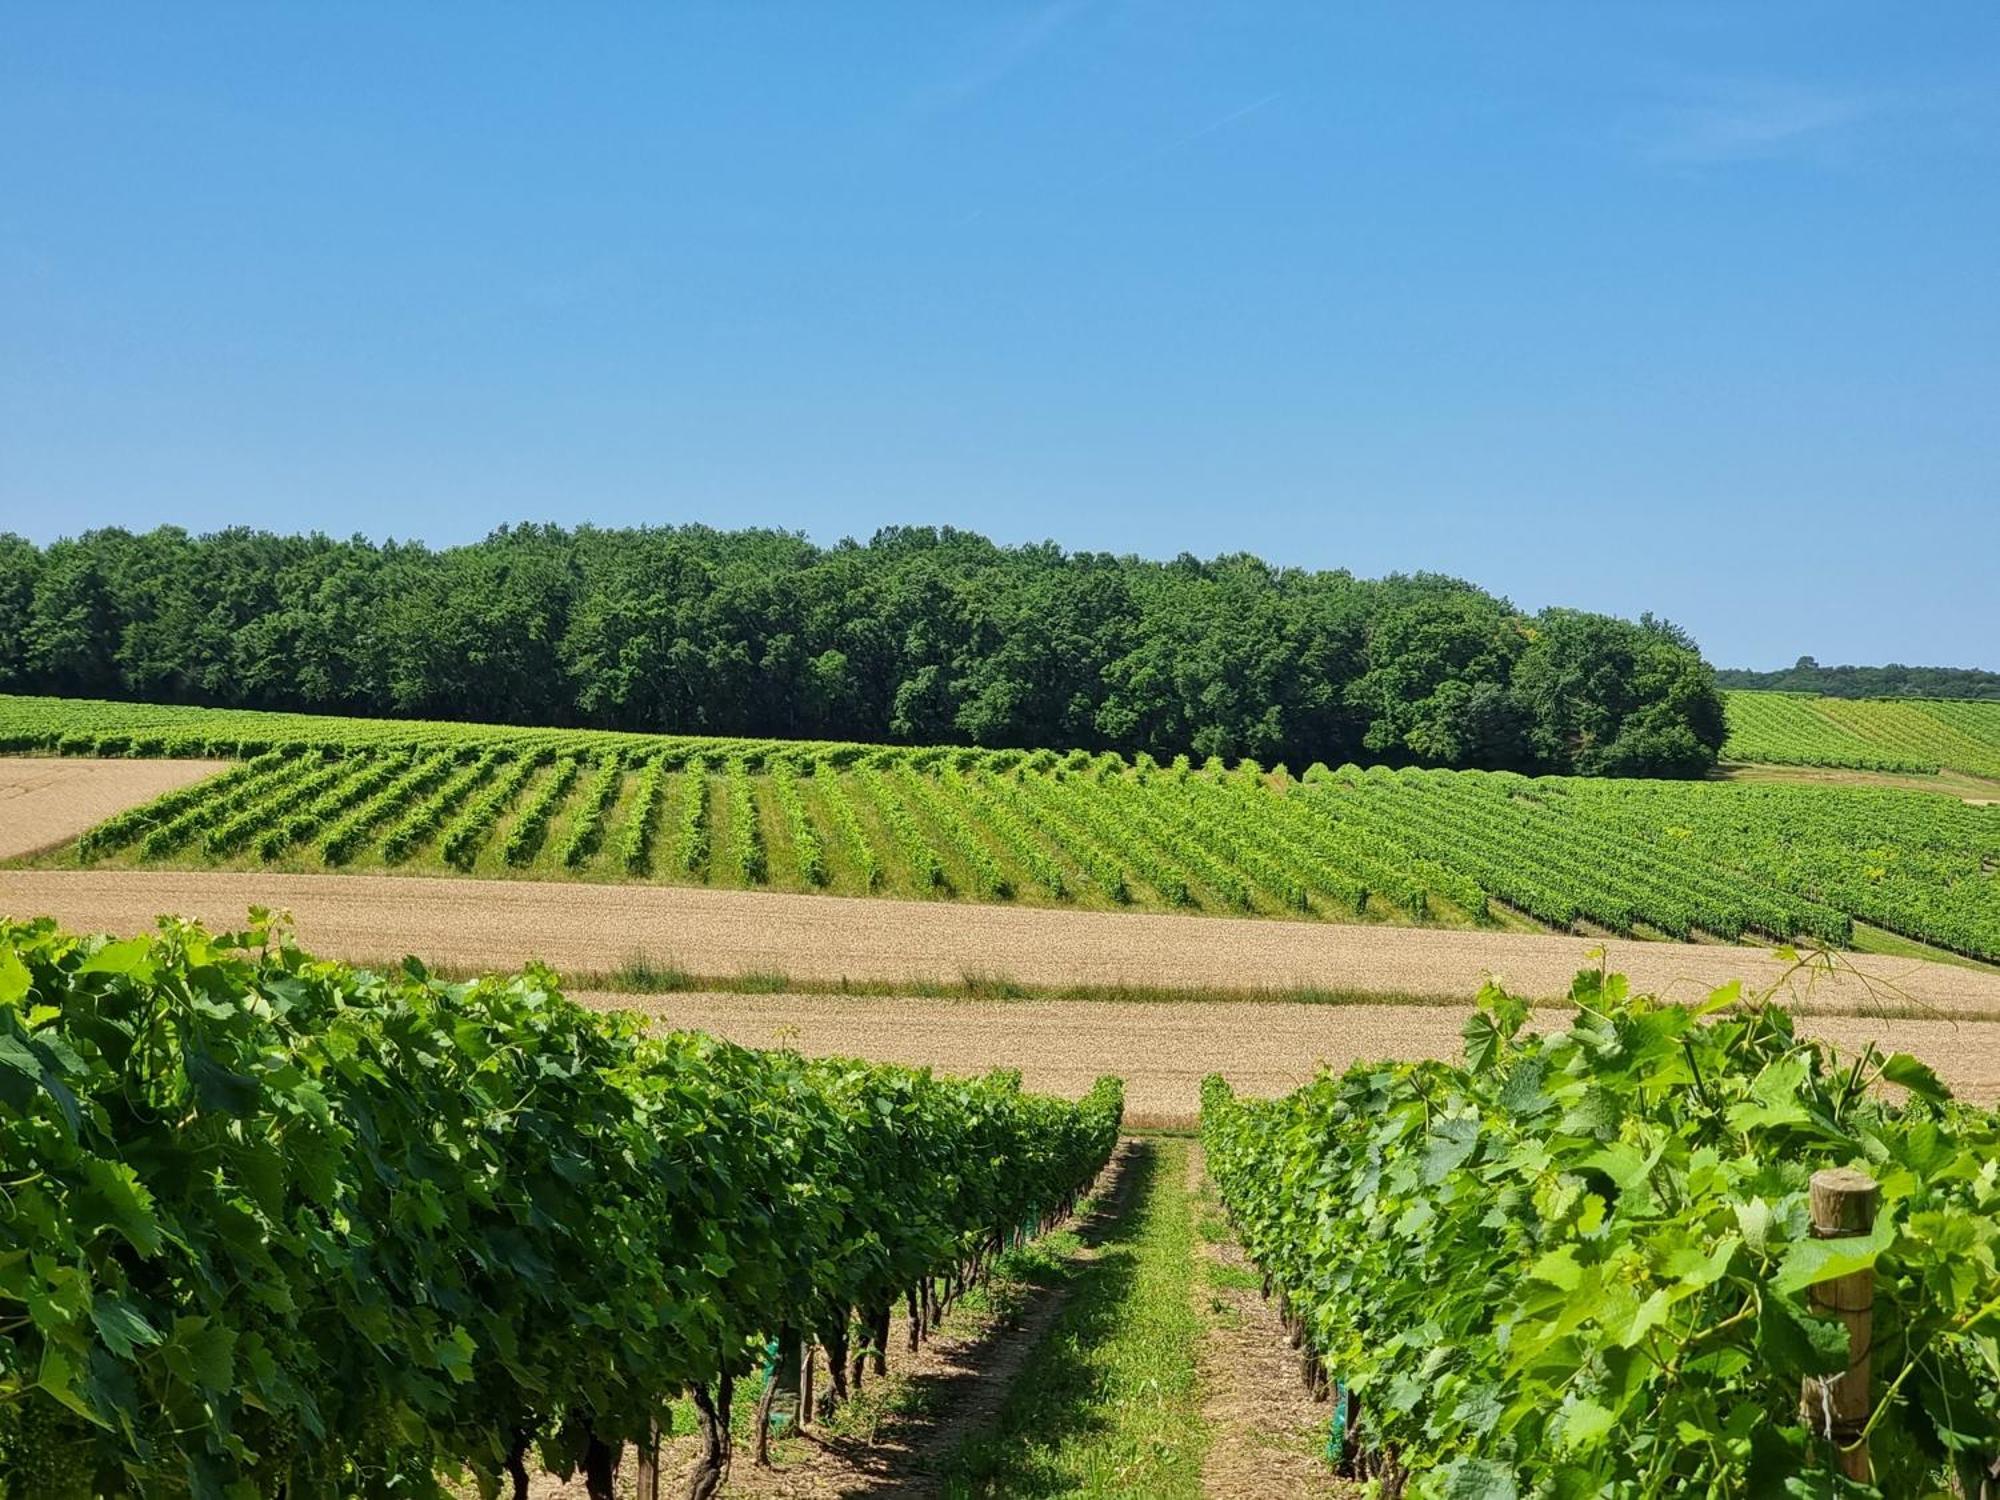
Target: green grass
<point>1879,940</point>
<point>640,975</point>
<point>1109,1403</point>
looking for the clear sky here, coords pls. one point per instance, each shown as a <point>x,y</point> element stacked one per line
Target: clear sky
<point>1684,307</point>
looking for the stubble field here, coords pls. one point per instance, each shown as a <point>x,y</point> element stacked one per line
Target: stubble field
<point>586,930</point>
<point>47,802</point>
<point>1163,1049</point>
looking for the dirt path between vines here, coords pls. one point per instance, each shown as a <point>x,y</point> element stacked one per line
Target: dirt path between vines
<point>583,928</point>
<point>950,1390</point>
<point>44,802</point>
<point>1266,1433</point>
<point>1163,1049</point>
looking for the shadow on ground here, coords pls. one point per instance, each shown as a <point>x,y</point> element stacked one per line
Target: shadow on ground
<point>949,1414</point>
<point>1059,1408</point>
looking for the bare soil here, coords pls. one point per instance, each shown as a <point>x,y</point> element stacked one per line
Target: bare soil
<point>1163,1049</point>
<point>45,802</point>
<point>1266,1432</point>
<point>588,928</point>
<point>950,1390</point>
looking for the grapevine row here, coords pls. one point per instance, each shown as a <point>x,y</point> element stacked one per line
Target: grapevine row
<point>588,826</point>
<point>524,839</point>
<point>1014,835</point>
<point>987,876</point>
<point>747,854</point>
<point>808,853</point>
<point>348,835</point>
<point>635,844</point>
<point>371,774</point>
<point>460,845</point>
<point>1551,1271</point>
<point>393,1229</point>
<point>428,816</point>
<point>926,869</point>
<point>834,792</point>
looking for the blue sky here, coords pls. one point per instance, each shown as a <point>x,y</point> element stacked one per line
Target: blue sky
<point>1684,307</point>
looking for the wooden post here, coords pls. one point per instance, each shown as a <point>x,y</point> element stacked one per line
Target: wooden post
<point>1836,1407</point>
<point>648,1475</point>
<point>808,1360</point>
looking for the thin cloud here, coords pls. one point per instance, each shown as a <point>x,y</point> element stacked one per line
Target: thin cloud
<point>1007,54</point>
<point>1755,120</point>
<point>1182,141</point>
<point>1229,119</point>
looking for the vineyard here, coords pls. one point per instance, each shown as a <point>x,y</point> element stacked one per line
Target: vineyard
<point>1918,735</point>
<point>1595,1262</point>
<point>280,1227</point>
<point>1674,860</point>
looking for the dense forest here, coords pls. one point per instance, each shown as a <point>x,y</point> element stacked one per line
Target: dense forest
<point>921,636</point>
<point>1892,681</point>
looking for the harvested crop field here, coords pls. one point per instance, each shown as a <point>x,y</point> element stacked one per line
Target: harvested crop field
<point>45,802</point>
<point>1163,1049</point>
<point>591,929</point>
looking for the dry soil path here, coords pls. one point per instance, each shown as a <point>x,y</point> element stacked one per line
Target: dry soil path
<point>45,802</point>
<point>948,1391</point>
<point>1163,1049</point>
<point>580,928</point>
<point>1267,1434</point>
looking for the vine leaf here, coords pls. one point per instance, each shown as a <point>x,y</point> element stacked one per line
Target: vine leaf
<point>15,981</point>
<point>1905,1071</point>
<point>122,1326</point>
<point>1809,1262</point>
<point>115,1190</point>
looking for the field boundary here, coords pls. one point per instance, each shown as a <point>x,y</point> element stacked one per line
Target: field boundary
<point>462,923</point>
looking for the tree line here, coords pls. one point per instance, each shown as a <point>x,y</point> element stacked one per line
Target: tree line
<point>1893,681</point>
<point>921,635</point>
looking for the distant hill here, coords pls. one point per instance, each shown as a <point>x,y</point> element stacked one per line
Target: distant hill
<point>1892,681</point>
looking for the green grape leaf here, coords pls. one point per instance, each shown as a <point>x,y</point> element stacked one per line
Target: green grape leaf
<point>130,956</point>
<point>454,1355</point>
<point>118,1194</point>
<point>1584,1424</point>
<point>217,1087</point>
<point>1905,1071</point>
<point>1559,1269</point>
<point>1754,1218</point>
<point>57,1376</point>
<point>1808,1262</point>
<point>202,1353</point>
<point>122,1326</point>
<point>1475,1479</point>
<point>1793,1342</point>
<point>31,1060</point>
<point>15,980</point>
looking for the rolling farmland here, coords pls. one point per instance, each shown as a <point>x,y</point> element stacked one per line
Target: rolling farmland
<point>1919,735</point>
<point>1675,860</point>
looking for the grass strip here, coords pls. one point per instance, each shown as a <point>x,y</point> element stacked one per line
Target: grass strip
<point>642,976</point>
<point>1109,1403</point>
